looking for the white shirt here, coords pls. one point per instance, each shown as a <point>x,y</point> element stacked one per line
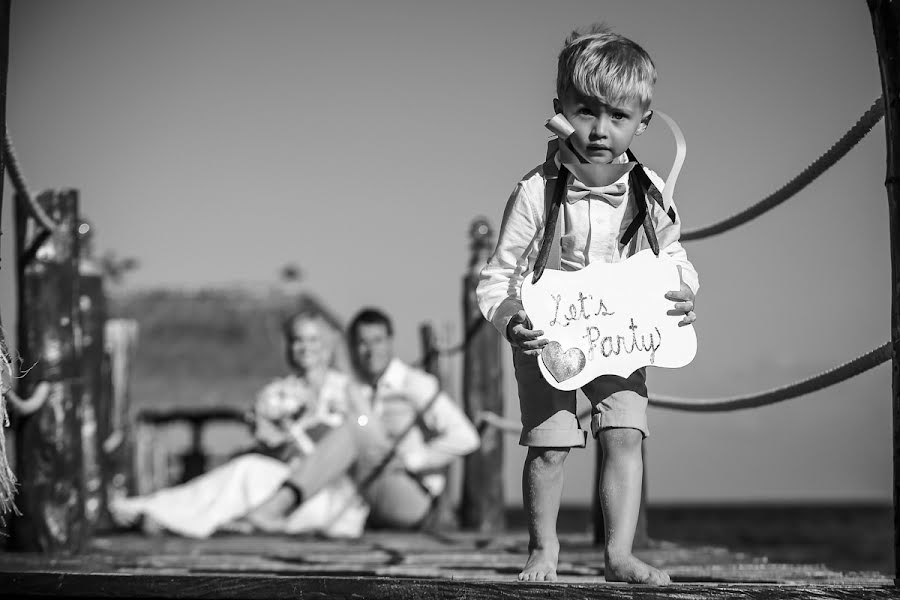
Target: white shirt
<point>591,232</point>
<point>444,432</point>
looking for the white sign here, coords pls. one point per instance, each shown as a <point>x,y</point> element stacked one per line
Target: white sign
<point>608,319</point>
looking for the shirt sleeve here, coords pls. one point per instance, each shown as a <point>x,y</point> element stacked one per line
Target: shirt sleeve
<point>669,233</point>
<point>449,433</point>
<point>500,281</point>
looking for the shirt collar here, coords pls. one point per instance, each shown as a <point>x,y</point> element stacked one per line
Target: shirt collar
<point>393,376</point>
<point>619,160</point>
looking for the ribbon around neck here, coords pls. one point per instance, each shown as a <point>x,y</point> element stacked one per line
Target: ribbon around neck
<point>603,175</point>
<point>597,175</point>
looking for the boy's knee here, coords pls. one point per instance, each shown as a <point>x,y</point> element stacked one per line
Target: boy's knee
<point>548,457</point>
<point>621,439</point>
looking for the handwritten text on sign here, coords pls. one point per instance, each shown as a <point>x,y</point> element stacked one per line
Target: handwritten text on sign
<point>608,319</point>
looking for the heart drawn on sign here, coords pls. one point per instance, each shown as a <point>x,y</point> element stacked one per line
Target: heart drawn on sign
<point>562,365</point>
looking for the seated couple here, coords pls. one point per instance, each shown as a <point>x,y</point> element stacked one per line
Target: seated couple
<point>332,452</point>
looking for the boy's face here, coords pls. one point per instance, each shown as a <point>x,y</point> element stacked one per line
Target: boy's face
<point>602,131</point>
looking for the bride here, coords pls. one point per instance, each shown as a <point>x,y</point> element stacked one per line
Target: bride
<point>289,415</point>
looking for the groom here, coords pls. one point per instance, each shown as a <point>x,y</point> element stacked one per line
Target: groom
<point>396,450</point>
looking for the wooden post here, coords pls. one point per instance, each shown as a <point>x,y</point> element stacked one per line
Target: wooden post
<point>430,354</point>
<point>443,516</point>
<point>886,26</point>
<point>483,506</point>
<point>120,339</point>
<point>94,404</point>
<point>48,442</point>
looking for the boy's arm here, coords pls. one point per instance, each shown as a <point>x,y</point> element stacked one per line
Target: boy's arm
<point>668,233</point>
<point>500,280</point>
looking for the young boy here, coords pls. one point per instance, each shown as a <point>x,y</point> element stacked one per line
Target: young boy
<point>604,87</point>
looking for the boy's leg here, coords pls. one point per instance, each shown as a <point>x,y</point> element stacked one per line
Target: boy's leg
<point>620,424</point>
<point>549,430</point>
<point>542,484</point>
<point>620,498</point>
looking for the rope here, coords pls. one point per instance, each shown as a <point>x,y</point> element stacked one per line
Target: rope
<point>859,130</point>
<point>18,180</point>
<point>473,328</point>
<point>27,406</point>
<point>838,374</point>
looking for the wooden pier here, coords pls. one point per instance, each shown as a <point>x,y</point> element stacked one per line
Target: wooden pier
<point>392,565</point>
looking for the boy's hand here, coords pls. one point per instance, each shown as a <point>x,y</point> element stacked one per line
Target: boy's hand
<point>684,303</point>
<point>520,334</point>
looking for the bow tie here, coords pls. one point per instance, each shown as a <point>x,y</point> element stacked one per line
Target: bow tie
<point>614,194</point>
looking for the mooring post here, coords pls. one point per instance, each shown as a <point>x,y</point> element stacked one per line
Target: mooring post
<point>886,26</point>
<point>443,515</point>
<point>48,442</point>
<point>483,506</point>
<point>94,404</point>
<point>120,338</point>
<point>428,340</point>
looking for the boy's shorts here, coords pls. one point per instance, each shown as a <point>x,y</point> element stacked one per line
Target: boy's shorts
<point>549,415</point>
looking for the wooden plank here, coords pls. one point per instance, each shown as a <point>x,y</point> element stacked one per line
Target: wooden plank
<point>176,585</point>
<point>885,16</point>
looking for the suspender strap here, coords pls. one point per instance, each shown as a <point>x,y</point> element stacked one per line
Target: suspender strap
<point>641,187</point>
<point>551,223</point>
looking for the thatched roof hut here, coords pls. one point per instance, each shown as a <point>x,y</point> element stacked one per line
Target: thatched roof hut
<point>214,346</point>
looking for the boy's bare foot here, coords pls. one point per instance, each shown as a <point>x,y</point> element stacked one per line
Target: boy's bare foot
<point>541,565</point>
<point>632,570</point>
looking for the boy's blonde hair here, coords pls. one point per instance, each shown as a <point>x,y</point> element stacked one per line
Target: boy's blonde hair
<point>605,65</point>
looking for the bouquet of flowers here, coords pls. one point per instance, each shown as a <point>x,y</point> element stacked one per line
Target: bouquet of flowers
<point>283,412</point>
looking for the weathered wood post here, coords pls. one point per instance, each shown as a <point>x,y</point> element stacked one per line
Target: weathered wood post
<point>94,404</point>
<point>443,515</point>
<point>886,25</point>
<point>430,356</point>
<point>483,507</point>
<point>120,339</point>
<point>48,442</point>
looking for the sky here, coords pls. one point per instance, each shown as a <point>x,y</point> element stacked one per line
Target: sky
<point>216,141</point>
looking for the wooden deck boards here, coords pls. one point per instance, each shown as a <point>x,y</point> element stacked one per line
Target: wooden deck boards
<point>403,565</point>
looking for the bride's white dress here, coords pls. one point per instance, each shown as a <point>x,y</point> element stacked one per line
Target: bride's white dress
<point>229,492</point>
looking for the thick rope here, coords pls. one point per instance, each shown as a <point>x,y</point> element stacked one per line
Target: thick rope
<point>828,378</point>
<point>7,475</point>
<point>21,186</point>
<point>856,133</point>
<point>471,330</point>
<point>838,374</point>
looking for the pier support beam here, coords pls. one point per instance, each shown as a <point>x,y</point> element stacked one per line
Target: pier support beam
<point>886,26</point>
